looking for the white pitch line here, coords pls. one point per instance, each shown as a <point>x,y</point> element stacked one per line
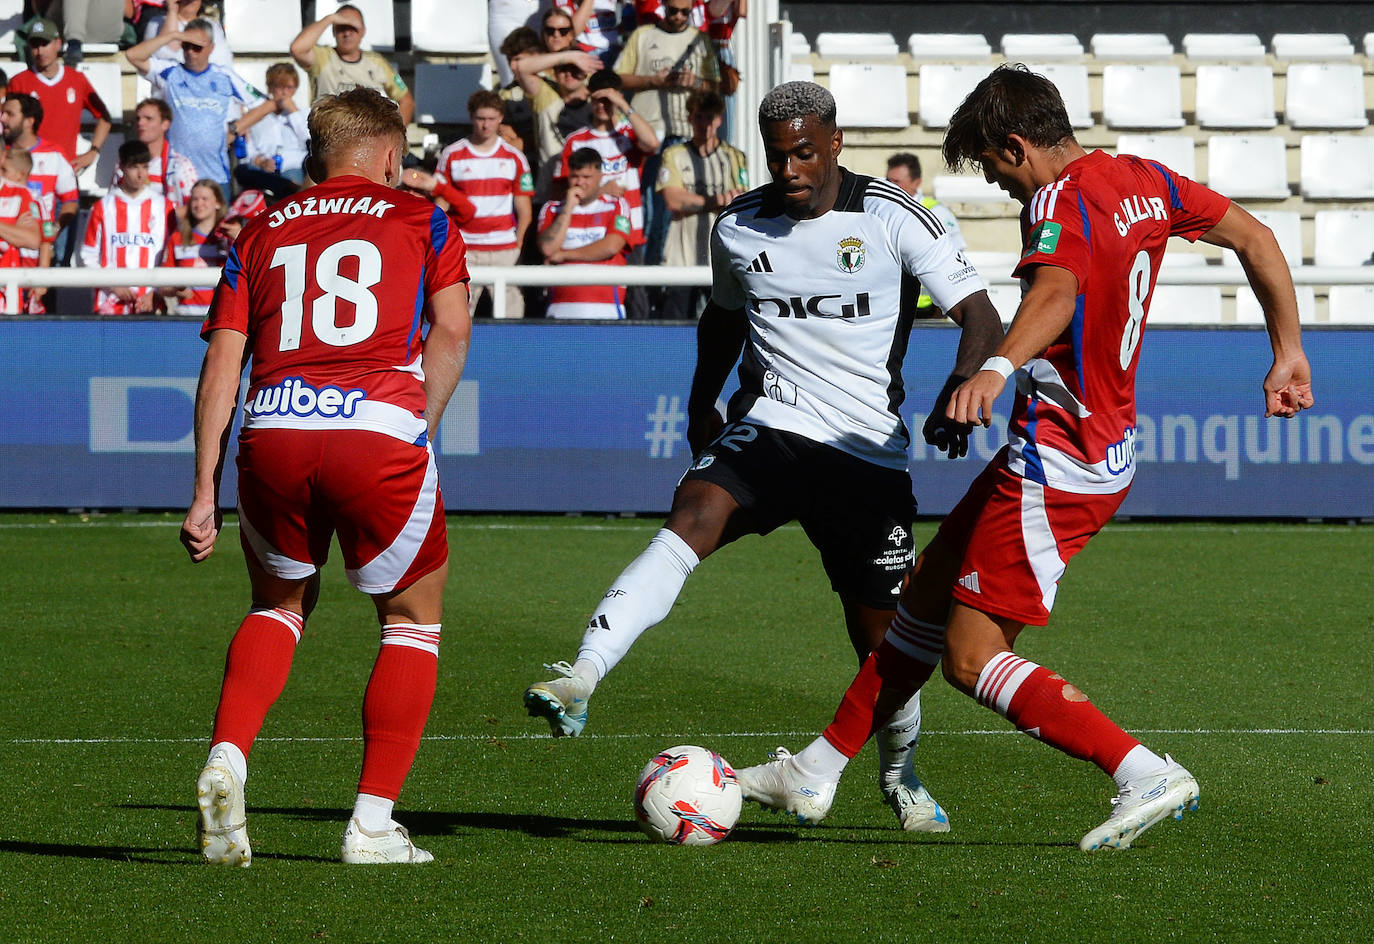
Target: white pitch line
<point>976,732</point>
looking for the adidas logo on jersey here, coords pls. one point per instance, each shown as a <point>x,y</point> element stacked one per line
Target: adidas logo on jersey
<point>970,582</point>
<point>761,263</point>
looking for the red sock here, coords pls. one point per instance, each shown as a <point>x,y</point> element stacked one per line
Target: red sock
<point>1046,707</point>
<point>396,706</point>
<point>891,674</point>
<point>255,672</point>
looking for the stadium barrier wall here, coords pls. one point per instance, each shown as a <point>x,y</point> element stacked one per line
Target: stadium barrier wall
<point>555,417</point>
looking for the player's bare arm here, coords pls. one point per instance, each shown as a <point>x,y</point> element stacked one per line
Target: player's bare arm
<point>1288,385</point>
<point>551,238</point>
<point>721,333</point>
<point>24,233</point>
<point>303,46</point>
<point>216,399</point>
<point>445,349</point>
<point>981,333</point>
<point>139,56</point>
<point>1045,311</point>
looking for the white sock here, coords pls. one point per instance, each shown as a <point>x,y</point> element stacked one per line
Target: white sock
<point>373,813</point>
<point>640,597</point>
<point>897,744</point>
<point>1139,761</point>
<point>233,757</point>
<point>821,761</point>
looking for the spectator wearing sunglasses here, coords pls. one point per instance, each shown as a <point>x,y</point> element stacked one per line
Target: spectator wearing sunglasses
<point>180,13</point>
<point>348,65</point>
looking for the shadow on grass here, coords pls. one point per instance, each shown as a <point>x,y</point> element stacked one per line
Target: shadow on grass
<point>149,854</point>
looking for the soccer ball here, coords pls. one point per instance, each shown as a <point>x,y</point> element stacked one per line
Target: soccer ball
<point>687,796</point>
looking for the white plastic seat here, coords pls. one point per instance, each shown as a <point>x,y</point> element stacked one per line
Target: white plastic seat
<point>943,87</point>
<point>1248,310</point>
<point>254,72</point>
<point>1342,237</point>
<point>11,18</point>
<point>97,178</point>
<point>1174,151</point>
<point>801,72</point>
<point>1024,47</point>
<point>1131,46</point>
<point>870,95</point>
<point>1309,46</point>
<point>966,188</point>
<point>1248,166</point>
<point>1135,96</point>
<point>1071,79</point>
<point>856,46</point>
<point>946,46</point>
<point>378,16</point>
<point>1231,96</point>
<point>449,26</point>
<point>1185,304</point>
<point>1350,304</point>
<point>262,27</point>
<point>1287,228</point>
<point>798,46</point>
<point>1369,45</point>
<point>1337,166</point>
<point>442,90</point>
<point>105,78</point>
<point>1223,46</point>
<point>1325,95</point>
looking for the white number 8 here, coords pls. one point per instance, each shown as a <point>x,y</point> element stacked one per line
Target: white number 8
<point>324,312</point>
<point>1137,288</point>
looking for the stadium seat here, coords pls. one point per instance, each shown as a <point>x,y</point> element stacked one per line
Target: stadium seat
<point>1337,167</point>
<point>1342,237</point>
<point>943,87</point>
<point>442,90</point>
<point>870,95</point>
<point>1185,304</point>
<point>800,72</point>
<point>947,46</point>
<point>1142,96</point>
<point>254,72</point>
<point>1350,304</point>
<point>1310,46</point>
<point>11,18</point>
<point>262,27</point>
<point>1174,151</point>
<point>1248,166</point>
<point>1369,45</point>
<point>1136,46</point>
<point>965,188</point>
<point>1023,47</point>
<point>378,15</point>
<point>1325,95</point>
<point>96,179</point>
<point>1224,46</point>
<point>108,83</point>
<point>1248,309</point>
<point>1071,79</point>
<point>1231,96</point>
<point>798,46</point>
<point>1287,228</point>
<point>856,46</point>
<point>449,26</point>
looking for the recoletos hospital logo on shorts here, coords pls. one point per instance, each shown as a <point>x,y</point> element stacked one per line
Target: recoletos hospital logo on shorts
<point>850,254</point>
<point>1045,239</point>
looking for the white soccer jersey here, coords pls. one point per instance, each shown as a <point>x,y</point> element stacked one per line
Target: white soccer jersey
<point>830,304</point>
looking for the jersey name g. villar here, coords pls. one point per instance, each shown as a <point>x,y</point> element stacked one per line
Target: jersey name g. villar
<point>830,302</point>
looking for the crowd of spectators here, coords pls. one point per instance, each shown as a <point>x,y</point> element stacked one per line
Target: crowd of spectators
<point>604,144</point>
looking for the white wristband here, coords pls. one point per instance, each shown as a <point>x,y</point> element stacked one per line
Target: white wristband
<point>999,364</point>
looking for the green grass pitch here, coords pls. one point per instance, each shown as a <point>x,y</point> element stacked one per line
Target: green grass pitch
<point>1243,650</point>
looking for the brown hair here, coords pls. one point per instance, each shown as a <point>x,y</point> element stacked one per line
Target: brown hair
<point>706,102</point>
<point>1011,100</point>
<point>20,158</point>
<point>521,40</point>
<point>353,120</point>
<point>282,73</point>
<point>185,224</point>
<point>485,98</point>
<point>162,107</point>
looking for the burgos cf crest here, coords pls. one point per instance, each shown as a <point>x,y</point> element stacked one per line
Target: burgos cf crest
<point>850,254</point>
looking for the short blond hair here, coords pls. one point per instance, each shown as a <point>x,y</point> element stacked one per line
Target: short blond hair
<point>20,159</point>
<point>353,121</point>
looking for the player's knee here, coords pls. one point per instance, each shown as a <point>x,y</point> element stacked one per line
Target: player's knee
<point>961,669</point>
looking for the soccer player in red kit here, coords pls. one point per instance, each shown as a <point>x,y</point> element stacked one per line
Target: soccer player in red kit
<point>1094,229</point>
<point>330,293</point>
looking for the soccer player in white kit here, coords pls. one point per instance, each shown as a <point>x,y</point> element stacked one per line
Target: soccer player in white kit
<point>816,277</point>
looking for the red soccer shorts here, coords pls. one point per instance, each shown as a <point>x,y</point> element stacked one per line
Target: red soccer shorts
<point>380,495</point>
<point>1016,537</point>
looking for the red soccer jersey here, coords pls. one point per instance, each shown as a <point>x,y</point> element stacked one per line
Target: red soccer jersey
<point>53,182</point>
<point>127,233</point>
<point>204,252</point>
<point>64,99</point>
<point>16,204</point>
<point>330,285</point>
<point>491,180</point>
<point>621,160</point>
<point>1106,220</point>
<point>589,224</point>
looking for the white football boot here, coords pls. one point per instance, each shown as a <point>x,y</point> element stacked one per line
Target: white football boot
<point>223,826</point>
<point>562,701</point>
<point>916,809</point>
<point>781,785</point>
<point>391,845</point>
<point>1143,802</point>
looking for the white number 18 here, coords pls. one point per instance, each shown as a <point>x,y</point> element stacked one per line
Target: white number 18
<point>324,311</point>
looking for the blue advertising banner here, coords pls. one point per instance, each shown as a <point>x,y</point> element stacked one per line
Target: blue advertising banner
<point>592,417</point>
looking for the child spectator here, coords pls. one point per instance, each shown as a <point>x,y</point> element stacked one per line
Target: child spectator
<point>52,181</point>
<point>128,229</point>
<point>171,173</point>
<point>198,244</point>
<point>20,219</point>
<point>277,137</point>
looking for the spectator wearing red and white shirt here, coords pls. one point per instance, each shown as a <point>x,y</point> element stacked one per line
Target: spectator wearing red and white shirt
<point>20,220</point>
<point>488,190</point>
<point>601,34</point>
<point>65,94</point>
<point>52,181</point>
<point>623,138</point>
<point>586,228</point>
<point>199,244</point>
<point>170,172</point>
<point>128,229</point>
